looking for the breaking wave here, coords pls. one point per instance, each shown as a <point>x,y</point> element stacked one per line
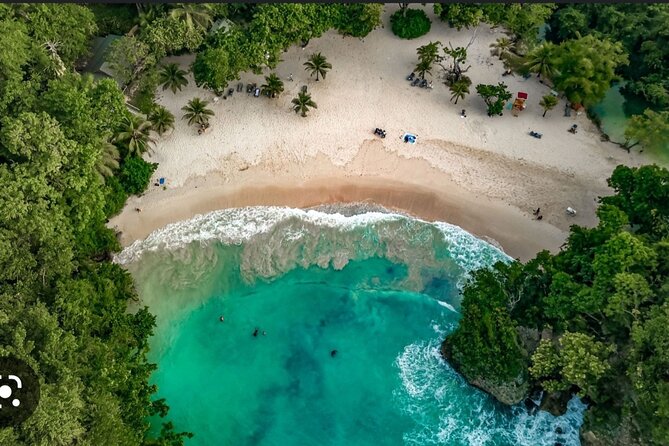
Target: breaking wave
<point>274,240</point>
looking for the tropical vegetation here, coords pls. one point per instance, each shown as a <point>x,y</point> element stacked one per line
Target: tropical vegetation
<point>64,304</point>
<point>590,320</point>
<point>173,77</point>
<point>318,65</point>
<point>548,102</point>
<point>196,112</point>
<point>303,103</point>
<point>273,86</point>
<point>161,119</point>
<point>409,23</point>
<point>494,96</point>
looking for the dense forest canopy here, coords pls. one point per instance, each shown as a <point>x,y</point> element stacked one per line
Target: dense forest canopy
<point>590,320</point>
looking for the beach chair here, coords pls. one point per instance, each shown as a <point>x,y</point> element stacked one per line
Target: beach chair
<point>256,92</point>
<point>240,87</point>
<point>304,88</point>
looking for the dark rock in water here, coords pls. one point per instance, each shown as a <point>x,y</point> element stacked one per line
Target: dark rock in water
<point>555,403</point>
<point>531,406</point>
<point>559,430</point>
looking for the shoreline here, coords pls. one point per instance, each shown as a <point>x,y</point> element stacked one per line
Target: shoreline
<point>483,174</point>
<point>429,194</point>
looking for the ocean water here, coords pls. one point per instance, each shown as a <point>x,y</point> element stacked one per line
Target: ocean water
<point>379,290</point>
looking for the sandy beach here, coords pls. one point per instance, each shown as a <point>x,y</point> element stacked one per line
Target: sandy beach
<point>483,174</point>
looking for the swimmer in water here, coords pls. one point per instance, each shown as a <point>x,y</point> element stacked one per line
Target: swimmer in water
<point>255,332</point>
<point>333,353</point>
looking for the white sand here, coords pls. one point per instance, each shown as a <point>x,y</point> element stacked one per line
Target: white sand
<point>493,158</point>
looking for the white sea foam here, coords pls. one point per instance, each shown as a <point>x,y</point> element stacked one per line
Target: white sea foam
<point>446,412</point>
<point>238,225</point>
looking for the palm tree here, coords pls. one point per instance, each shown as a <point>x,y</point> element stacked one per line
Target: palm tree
<point>460,89</point>
<point>135,135</point>
<point>273,85</point>
<point>193,14</point>
<point>317,64</point>
<point>302,103</point>
<point>502,47</point>
<point>173,77</point>
<point>541,60</point>
<point>161,119</point>
<point>423,67</point>
<point>547,103</point>
<point>197,112</point>
<point>107,161</point>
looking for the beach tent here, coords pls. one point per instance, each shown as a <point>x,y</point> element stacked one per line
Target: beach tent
<point>410,138</point>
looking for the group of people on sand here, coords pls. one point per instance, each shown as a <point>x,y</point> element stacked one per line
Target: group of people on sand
<point>537,214</point>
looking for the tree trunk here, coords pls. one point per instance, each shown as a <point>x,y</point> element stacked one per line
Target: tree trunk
<point>544,115</point>
<point>456,100</point>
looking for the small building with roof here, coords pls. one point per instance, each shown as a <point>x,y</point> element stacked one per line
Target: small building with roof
<point>97,64</point>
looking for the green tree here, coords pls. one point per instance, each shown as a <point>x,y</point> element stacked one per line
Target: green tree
<point>196,112</point>
<point>485,343</point>
<point>459,15</point>
<point>428,54</point>
<point>358,19</point>
<point>135,136</point>
<point>318,65</point>
<point>650,130</point>
<point>548,102</point>
<point>167,35</point>
<point>128,57</point>
<point>193,14</point>
<point>541,60</point>
<point>586,67</point>
<point>457,57</point>
<point>273,85</point>
<point>460,89</point>
<point>578,360</point>
<point>50,23</point>
<point>502,47</point>
<point>410,23</point>
<point>494,96</point>
<point>302,103</point>
<point>135,174</point>
<point>173,77</point>
<point>161,120</point>
<point>107,161</point>
<point>214,68</point>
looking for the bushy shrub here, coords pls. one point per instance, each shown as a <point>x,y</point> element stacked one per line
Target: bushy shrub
<point>358,19</point>
<point>410,24</point>
<point>115,196</point>
<point>135,175</point>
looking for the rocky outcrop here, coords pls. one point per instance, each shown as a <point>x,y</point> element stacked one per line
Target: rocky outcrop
<point>510,392</point>
<point>555,403</point>
<point>507,392</point>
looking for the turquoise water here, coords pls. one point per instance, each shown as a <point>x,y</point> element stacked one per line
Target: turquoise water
<point>614,111</point>
<point>381,290</point>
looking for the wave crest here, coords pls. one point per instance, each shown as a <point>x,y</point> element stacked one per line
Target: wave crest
<point>275,240</point>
